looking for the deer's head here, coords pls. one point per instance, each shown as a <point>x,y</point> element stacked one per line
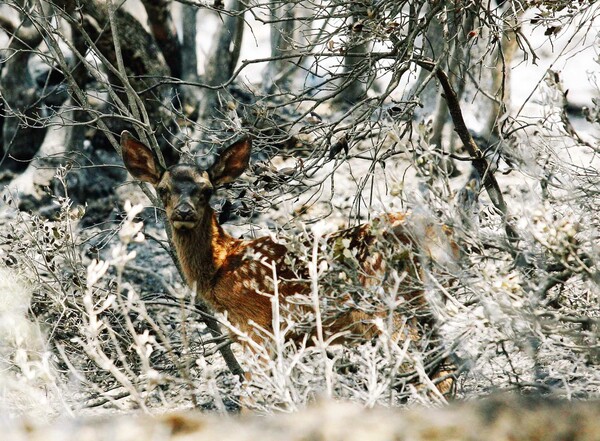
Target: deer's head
<point>185,189</point>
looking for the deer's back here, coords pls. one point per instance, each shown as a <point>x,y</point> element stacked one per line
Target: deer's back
<point>244,284</point>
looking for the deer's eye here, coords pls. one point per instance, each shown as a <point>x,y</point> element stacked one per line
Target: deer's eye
<point>203,192</point>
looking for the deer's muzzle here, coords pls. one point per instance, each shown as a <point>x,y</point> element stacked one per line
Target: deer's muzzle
<point>184,217</point>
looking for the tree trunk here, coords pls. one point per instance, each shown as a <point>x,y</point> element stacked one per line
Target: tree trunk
<point>76,134</point>
<point>189,65</point>
<point>354,72</point>
<point>22,135</point>
<point>219,68</point>
<point>279,70</point>
<point>501,74</point>
<point>189,96</point>
<point>164,32</point>
<point>138,91</point>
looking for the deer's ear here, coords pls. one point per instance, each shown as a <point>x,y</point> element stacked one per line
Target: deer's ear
<point>231,163</point>
<point>139,159</point>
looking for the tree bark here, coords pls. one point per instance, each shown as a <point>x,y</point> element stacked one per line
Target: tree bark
<point>501,74</point>
<point>220,66</point>
<point>164,32</point>
<point>277,75</point>
<point>354,76</point>
<point>22,135</point>
<point>189,65</point>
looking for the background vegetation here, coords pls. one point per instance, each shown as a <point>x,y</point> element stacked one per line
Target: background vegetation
<point>353,108</point>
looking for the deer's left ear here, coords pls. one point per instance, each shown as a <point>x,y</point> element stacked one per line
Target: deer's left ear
<point>231,163</point>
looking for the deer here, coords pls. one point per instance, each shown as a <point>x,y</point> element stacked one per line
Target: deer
<point>234,276</point>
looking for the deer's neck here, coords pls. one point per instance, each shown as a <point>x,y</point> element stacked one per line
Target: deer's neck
<point>201,252</point>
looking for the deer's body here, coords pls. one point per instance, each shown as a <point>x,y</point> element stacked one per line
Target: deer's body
<point>236,276</point>
<point>225,274</point>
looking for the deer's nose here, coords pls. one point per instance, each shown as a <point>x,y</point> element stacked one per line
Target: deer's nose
<point>184,212</point>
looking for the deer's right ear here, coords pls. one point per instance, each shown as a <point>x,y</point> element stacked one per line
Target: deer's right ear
<point>139,159</point>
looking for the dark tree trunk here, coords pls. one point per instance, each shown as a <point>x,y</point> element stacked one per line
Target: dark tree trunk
<point>189,95</point>
<point>76,134</point>
<point>22,135</point>
<point>164,32</point>
<point>355,70</point>
<point>144,65</point>
<point>188,48</point>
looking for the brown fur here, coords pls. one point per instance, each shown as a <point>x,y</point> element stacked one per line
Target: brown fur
<point>234,276</point>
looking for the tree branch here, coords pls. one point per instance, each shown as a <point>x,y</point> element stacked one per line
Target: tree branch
<point>479,162</point>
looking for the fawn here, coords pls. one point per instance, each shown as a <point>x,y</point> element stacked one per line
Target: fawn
<point>230,274</point>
